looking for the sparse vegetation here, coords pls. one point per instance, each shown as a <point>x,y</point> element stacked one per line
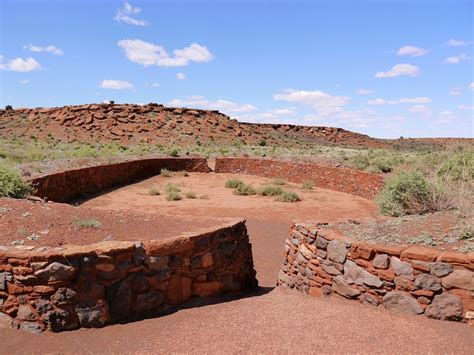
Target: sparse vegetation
<point>87,223</point>
<point>174,153</point>
<point>165,173</point>
<point>172,188</point>
<point>184,173</point>
<point>12,185</point>
<point>154,191</point>
<point>233,183</point>
<point>190,194</point>
<point>288,196</point>
<point>173,196</point>
<point>307,185</point>
<point>376,161</point>
<point>244,190</point>
<point>270,190</point>
<point>279,181</point>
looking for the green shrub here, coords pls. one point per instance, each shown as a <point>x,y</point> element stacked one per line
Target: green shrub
<point>405,193</point>
<point>307,185</point>
<point>279,181</point>
<point>190,194</point>
<point>262,143</point>
<point>165,172</point>
<point>154,191</point>
<point>173,196</point>
<point>244,190</point>
<point>376,161</point>
<point>172,188</point>
<point>234,183</point>
<point>270,190</point>
<point>12,185</point>
<point>87,223</point>
<point>459,166</point>
<point>288,196</point>
<point>174,152</point>
<point>184,173</point>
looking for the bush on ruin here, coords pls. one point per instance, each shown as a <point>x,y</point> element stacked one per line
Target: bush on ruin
<point>12,185</point>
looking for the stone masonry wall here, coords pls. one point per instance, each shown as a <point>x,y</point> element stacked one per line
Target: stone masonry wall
<point>406,279</point>
<point>338,179</point>
<point>90,286</point>
<point>65,186</point>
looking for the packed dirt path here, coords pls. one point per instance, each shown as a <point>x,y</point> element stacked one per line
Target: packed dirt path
<point>273,320</point>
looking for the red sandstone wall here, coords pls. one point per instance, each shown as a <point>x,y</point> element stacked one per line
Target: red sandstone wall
<point>411,280</point>
<point>90,286</point>
<point>337,179</point>
<point>68,185</point>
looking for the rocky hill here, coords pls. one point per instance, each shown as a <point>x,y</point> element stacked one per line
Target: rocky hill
<point>154,123</point>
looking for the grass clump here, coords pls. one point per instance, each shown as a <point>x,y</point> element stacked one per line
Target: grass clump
<point>172,188</point>
<point>244,190</point>
<point>174,153</point>
<point>184,173</point>
<point>270,190</point>
<point>165,172</point>
<point>376,161</point>
<point>87,223</point>
<point>154,191</point>
<point>12,185</point>
<point>190,194</point>
<point>307,185</point>
<point>288,196</point>
<point>403,194</point>
<point>279,181</point>
<point>234,183</point>
<point>173,196</point>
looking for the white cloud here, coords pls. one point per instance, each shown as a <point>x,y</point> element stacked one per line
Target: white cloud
<point>457,42</point>
<point>116,84</point>
<point>126,15</point>
<point>398,70</point>
<point>364,92</point>
<point>445,116</point>
<point>180,76</point>
<point>457,59</point>
<point>466,107</point>
<point>20,64</point>
<point>146,53</point>
<point>283,115</point>
<point>419,108</point>
<point>224,106</point>
<point>155,85</point>
<point>24,82</point>
<point>50,49</point>
<point>415,100</point>
<point>412,51</point>
<point>320,101</point>
<point>455,91</point>
<point>471,86</point>
<point>380,102</point>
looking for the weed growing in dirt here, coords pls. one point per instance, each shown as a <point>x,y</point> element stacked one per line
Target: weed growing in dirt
<point>174,152</point>
<point>184,173</point>
<point>172,188</point>
<point>270,190</point>
<point>165,172</point>
<point>12,185</point>
<point>279,181</point>
<point>307,185</point>
<point>244,190</point>
<point>173,196</point>
<point>424,239</point>
<point>234,183</point>
<point>376,160</point>
<point>154,191</point>
<point>190,194</point>
<point>87,223</point>
<point>288,196</point>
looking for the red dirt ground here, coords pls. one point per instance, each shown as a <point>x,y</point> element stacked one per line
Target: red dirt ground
<point>275,320</point>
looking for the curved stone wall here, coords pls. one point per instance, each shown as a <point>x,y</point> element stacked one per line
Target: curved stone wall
<point>65,186</point>
<point>90,286</point>
<point>406,279</point>
<point>338,179</point>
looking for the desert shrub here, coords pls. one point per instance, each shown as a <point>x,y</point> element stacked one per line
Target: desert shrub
<point>12,185</point>
<point>288,196</point>
<point>307,185</point>
<point>262,143</point>
<point>270,190</point>
<point>87,223</point>
<point>190,194</point>
<point>376,161</point>
<point>172,188</point>
<point>173,196</point>
<point>404,193</point>
<point>174,152</point>
<point>165,172</point>
<point>234,183</point>
<point>154,191</point>
<point>279,181</point>
<point>244,190</point>
<point>184,173</point>
<point>458,166</point>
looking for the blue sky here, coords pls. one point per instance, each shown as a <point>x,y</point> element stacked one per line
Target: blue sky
<point>384,68</point>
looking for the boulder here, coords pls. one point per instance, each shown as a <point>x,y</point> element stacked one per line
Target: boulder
<point>337,251</point>
<point>401,268</point>
<point>401,302</point>
<point>428,282</point>
<point>446,307</point>
<point>459,278</point>
<point>56,272</point>
<point>353,273</point>
<point>381,261</point>
<point>441,269</point>
<point>340,286</point>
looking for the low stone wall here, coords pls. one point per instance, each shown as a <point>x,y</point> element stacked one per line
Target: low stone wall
<point>65,186</point>
<point>407,279</point>
<point>338,179</point>
<point>90,286</point>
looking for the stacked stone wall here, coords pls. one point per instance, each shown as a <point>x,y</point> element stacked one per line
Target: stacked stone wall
<point>406,279</point>
<point>91,286</point>
<point>338,179</point>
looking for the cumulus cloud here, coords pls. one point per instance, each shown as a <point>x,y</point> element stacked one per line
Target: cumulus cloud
<point>457,43</point>
<point>419,108</point>
<point>415,100</point>
<point>180,76</point>
<point>283,115</point>
<point>380,102</point>
<point>49,49</point>
<point>116,84</point>
<point>224,106</point>
<point>466,107</point>
<point>412,51</point>
<point>457,59</point>
<point>364,92</point>
<point>146,54</point>
<point>155,85</point>
<point>399,70</point>
<point>320,101</point>
<point>127,14</point>
<point>20,64</point>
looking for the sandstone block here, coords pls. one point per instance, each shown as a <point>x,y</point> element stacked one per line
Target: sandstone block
<point>446,307</point>
<point>463,279</point>
<point>401,302</point>
<point>381,261</point>
<point>56,272</point>
<point>355,274</point>
<point>337,251</point>
<point>441,269</point>
<point>428,282</point>
<point>340,286</point>
<point>401,268</point>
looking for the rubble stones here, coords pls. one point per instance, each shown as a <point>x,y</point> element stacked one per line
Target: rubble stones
<point>340,286</point>
<point>446,307</point>
<point>459,278</point>
<point>401,268</point>
<point>355,274</point>
<point>441,269</point>
<point>56,272</point>
<point>401,302</point>
<point>428,282</point>
<point>381,261</point>
<point>337,251</point>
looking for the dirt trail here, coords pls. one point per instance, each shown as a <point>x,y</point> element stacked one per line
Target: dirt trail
<point>274,320</point>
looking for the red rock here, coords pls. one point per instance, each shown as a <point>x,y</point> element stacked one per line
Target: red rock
<point>43,290</point>
<point>315,291</point>
<point>451,257</point>
<point>420,253</point>
<point>425,293</point>
<point>389,249</point>
<point>362,250</point>
<point>386,275</point>
<point>467,298</point>
<point>206,289</point>
<point>179,289</point>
